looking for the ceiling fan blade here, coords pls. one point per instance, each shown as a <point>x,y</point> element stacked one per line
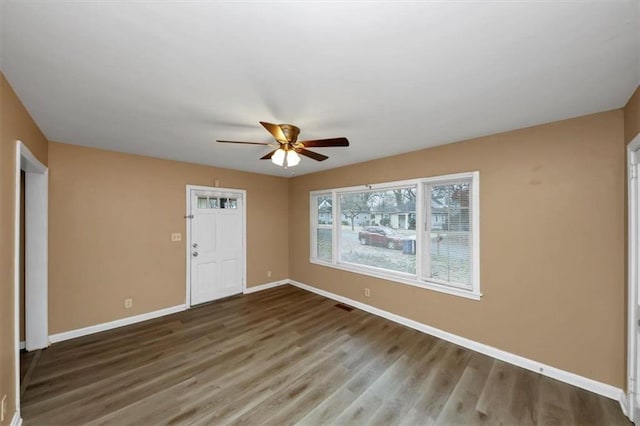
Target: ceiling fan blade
<point>275,131</point>
<point>318,143</point>
<point>269,155</point>
<point>246,143</point>
<point>311,154</point>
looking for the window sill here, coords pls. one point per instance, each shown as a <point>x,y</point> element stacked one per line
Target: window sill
<point>468,294</point>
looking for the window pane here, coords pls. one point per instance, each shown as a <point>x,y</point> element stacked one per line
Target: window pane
<point>213,203</point>
<point>450,242</point>
<point>232,203</point>
<point>325,210</point>
<point>324,231</point>
<point>378,228</point>
<point>324,243</point>
<point>202,203</point>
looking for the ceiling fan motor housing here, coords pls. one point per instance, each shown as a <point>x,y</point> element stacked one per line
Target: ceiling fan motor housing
<point>291,132</point>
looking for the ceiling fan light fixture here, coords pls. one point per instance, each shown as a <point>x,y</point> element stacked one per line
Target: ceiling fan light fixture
<point>278,157</point>
<point>288,158</point>
<point>292,159</point>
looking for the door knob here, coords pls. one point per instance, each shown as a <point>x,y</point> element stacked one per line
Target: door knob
<point>195,245</point>
<point>195,254</point>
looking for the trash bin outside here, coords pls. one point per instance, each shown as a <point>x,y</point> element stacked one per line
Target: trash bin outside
<point>409,246</point>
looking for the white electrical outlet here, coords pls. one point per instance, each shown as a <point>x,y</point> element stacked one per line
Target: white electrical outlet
<point>128,303</point>
<point>176,237</point>
<point>268,274</point>
<point>367,292</point>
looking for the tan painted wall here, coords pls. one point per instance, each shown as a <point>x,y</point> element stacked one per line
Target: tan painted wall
<point>110,220</point>
<point>632,117</point>
<point>15,124</point>
<point>551,226</point>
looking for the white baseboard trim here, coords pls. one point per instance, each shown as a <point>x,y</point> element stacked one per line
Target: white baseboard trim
<point>59,337</point>
<point>266,286</point>
<point>16,420</point>
<point>600,388</point>
<point>23,345</point>
<point>624,404</point>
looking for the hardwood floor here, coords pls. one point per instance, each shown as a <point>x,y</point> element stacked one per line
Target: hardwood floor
<point>287,356</point>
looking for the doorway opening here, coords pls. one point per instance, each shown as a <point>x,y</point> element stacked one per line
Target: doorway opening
<point>31,250</point>
<point>216,243</point>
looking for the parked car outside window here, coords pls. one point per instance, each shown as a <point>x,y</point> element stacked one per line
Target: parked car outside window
<point>379,236</point>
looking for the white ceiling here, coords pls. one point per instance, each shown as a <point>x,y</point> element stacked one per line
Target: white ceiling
<point>166,79</point>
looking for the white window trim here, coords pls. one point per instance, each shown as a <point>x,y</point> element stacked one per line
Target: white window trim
<point>472,292</point>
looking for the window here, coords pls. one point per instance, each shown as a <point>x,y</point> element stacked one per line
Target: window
<point>421,232</point>
<point>217,203</point>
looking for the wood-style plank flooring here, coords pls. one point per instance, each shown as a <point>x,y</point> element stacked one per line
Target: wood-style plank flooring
<point>287,356</point>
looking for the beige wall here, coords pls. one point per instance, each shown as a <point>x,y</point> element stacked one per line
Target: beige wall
<point>110,220</point>
<point>552,241</point>
<point>15,124</point>
<point>632,117</point>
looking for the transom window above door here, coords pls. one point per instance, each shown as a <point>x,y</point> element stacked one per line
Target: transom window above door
<point>217,202</point>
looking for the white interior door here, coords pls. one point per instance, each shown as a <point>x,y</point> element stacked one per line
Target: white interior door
<point>217,245</point>
<point>36,275</point>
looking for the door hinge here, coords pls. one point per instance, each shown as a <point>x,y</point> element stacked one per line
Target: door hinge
<point>189,217</point>
<point>633,171</point>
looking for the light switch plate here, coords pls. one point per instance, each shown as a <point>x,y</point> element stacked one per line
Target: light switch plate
<point>176,237</point>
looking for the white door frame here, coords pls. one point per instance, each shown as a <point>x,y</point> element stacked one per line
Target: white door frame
<point>36,256</point>
<point>633,222</point>
<point>189,215</point>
